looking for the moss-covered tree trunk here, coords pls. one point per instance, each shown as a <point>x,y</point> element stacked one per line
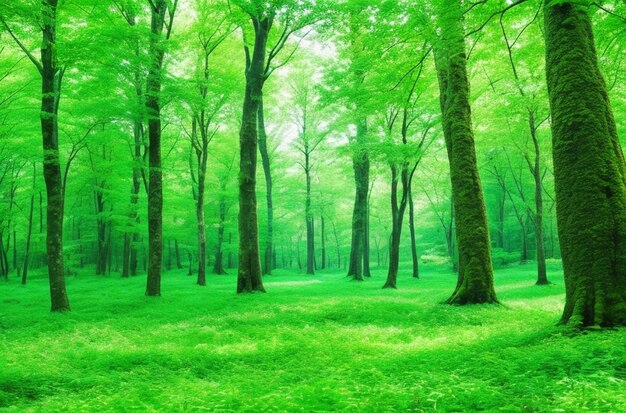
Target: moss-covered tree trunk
<point>249,276</point>
<point>589,172</point>
<point>475,280</point>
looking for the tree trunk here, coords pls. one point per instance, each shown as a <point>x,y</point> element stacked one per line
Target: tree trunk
<point>589,172</point>
<point>542,276</point>
<point>268,263</point>
<point>218,267</point>
<point>101,231</point>
<point>155,184</point>
<point>323,241</point>
<point>397,217</point>
<point>360,164</point>
<point>231,261</point>
<point>414,256</point>
<point>249,277</point>
<point>52,75</point>
<point>310,234</point>
<point>131,240</point>
<point>475,281</point>
<point>30,228</point>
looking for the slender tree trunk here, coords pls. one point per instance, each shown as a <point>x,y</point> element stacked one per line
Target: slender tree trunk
<point>231,261</point>
<point>52,76</point>
<point>155,184</point>
<point>542,276</point>
<point>397,218</point>
<point>268,264</point>
<point>501,216</point>
<point>249,276</point>
<point>131,240</point>
<point>414,256</point>
<point>475,282</point>
<point>30,228</point>
<point>310,237</point>
<point>589,172</point>
<point>360,163</point>
<point>101,231</point>
<point>218,267</point>
<point>323,241</point>
<point>169,255</point>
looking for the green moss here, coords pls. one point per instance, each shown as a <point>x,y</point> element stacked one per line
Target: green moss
<point>475,283</point>
<point>589,173</point>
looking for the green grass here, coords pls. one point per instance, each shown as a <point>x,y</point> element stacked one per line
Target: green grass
<point>312,344</point>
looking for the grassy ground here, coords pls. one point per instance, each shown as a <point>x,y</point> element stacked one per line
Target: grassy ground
<point>314,344</point>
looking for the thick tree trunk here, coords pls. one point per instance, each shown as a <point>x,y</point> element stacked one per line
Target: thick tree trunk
<point>249,277</point>
<point>155,184</point>
<point>589,172</point>
<point>475,282</point>
<point>51,76</point>
<point>268,263</point>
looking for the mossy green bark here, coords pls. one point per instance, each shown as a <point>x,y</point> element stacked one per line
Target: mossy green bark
<point>589,172</point>
<point>475,282</point>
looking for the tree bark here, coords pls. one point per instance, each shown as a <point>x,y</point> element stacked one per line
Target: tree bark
<point>323,241</point>
<point>30,228</point>
<point>218,267</point>
<point>414,256</point>
<point>397,217</point>
<point>589,172</point>
<point>51,76</point>
<point>542,275</point>
<point>360,164</point>
<point>249,277</point>
<point>310,228</point>
<point>475,281</point>
<point>268,263</point>
<point>155,184</point>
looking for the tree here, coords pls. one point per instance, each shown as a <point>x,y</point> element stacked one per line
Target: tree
<point>589,171</point>
<point>162,18</point>
<point>205,109</point>
<point>51,80</point>
<point>310,136</point>
<point>475,281</point>
<point>260,64</point>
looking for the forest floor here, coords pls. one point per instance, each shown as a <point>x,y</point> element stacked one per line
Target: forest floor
<point>311,344</point>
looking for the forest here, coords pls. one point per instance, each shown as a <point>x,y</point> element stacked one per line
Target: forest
<point>312,205</point>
